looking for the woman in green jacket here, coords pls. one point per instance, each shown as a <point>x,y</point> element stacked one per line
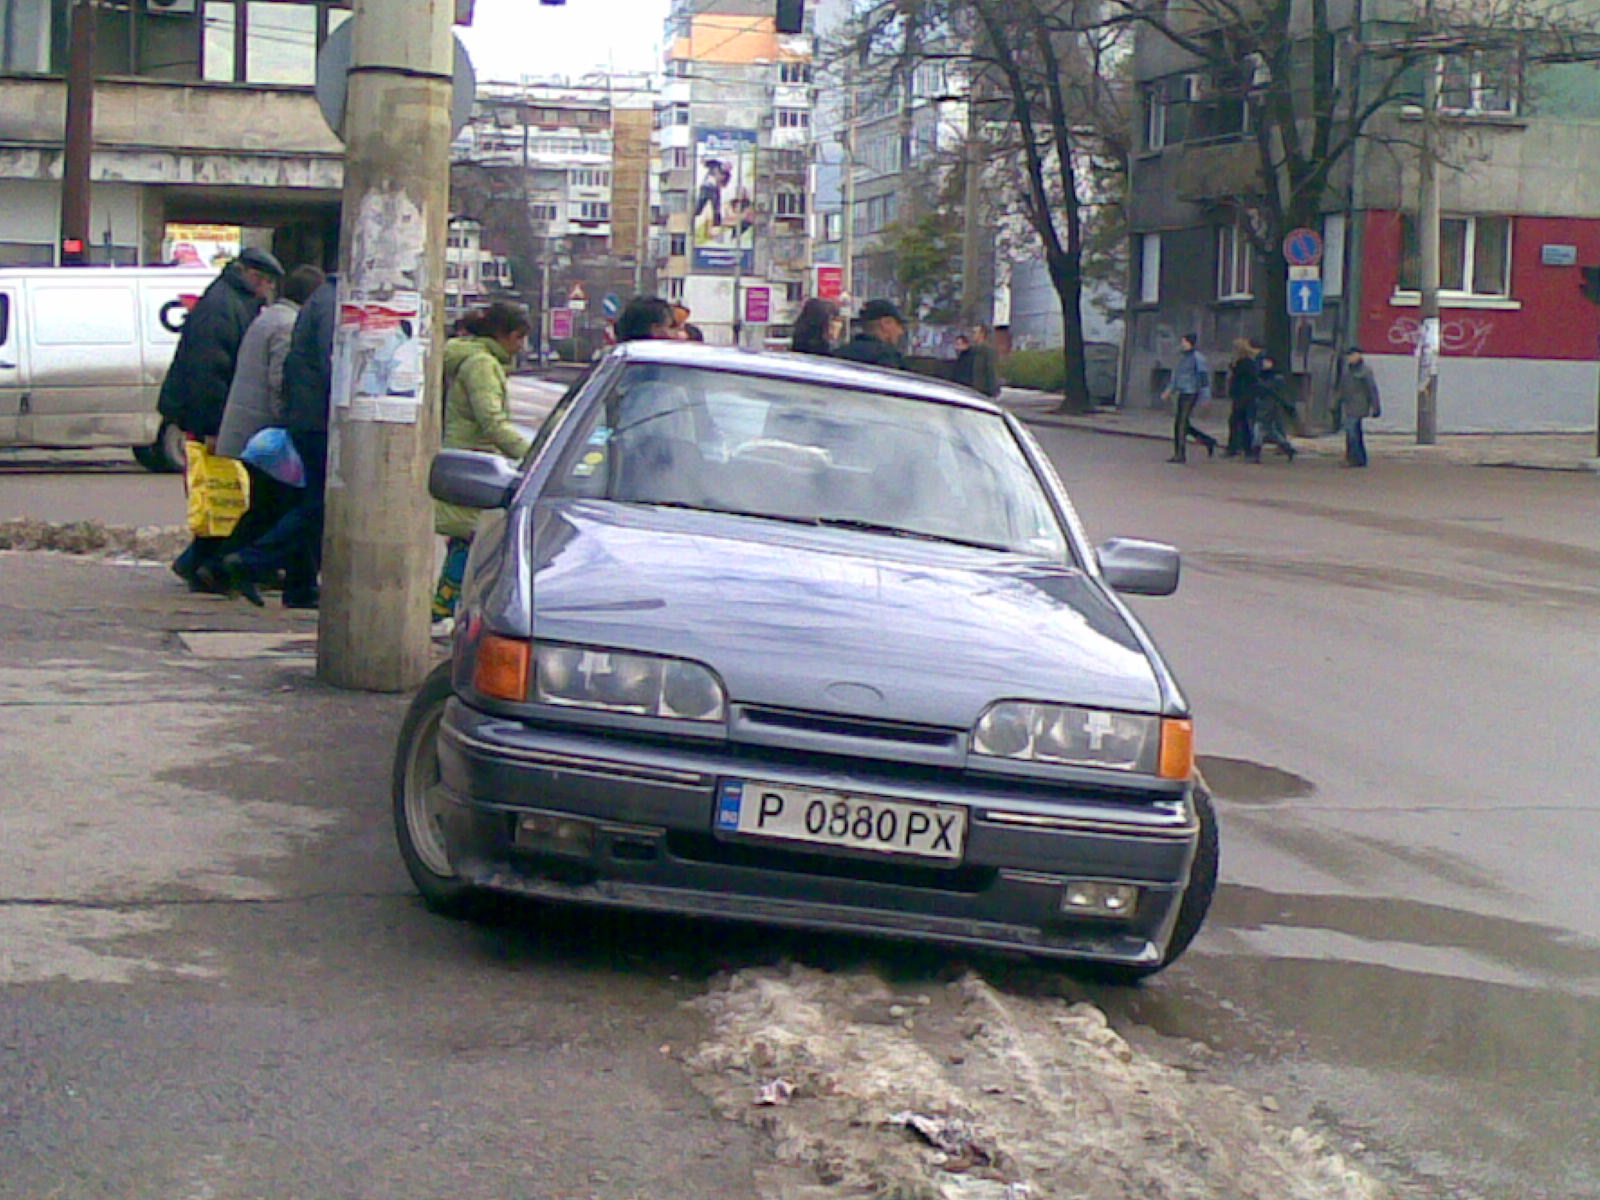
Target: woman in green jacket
<point>476,417</point>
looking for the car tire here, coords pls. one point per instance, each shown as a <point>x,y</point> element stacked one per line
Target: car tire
<point>165,455</point>
<point>415,783</point>
<point>1196,900</point>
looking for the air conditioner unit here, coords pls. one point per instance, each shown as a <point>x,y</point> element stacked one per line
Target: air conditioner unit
<point>171,7</point>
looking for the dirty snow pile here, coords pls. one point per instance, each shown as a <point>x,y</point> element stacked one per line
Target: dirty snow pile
<point>961,1092</point>
<point>148,542</point>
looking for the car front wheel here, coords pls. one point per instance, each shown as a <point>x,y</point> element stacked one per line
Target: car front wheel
<point>419,802</point>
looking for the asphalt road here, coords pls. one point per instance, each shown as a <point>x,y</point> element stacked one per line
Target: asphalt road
<point>215,983</point>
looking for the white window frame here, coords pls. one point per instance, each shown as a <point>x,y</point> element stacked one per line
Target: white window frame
<point>1235,263</point>
<point>1155,120</point>
<point>1478,92</point>
<point>1150,268</point>
<point>1466,297</point>
<point>790,204</point>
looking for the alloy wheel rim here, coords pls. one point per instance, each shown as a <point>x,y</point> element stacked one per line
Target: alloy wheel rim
<point>424,799</point>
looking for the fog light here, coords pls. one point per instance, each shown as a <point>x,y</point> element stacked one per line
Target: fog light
<point>1091,898</point>
<point>550,834</point>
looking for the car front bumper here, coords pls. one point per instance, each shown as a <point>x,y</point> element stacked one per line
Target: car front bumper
<point>648,810</point>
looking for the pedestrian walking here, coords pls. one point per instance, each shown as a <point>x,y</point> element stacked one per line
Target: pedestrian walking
<point>1244,379</point>
<point>256,401</point>
<point>1273,406</point>
<point>818,328</point>
<point>1356,399</point>
<point>194,393</point>
<point>1191,383</point>
<point>977,365</point>
<point>880,328</point>
<point>477,416</point>
<point>294,543</point>
<point>646,318</point>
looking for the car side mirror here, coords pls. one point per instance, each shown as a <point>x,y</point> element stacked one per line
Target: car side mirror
<point>472,479</point>
<point>1137,567</point>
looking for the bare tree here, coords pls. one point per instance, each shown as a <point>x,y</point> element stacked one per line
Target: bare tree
<point>1307,91</point>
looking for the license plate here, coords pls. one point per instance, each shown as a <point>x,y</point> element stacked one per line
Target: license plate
<point>792,814</point>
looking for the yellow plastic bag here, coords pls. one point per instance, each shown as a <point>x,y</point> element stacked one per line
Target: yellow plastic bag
<point>219,492</point>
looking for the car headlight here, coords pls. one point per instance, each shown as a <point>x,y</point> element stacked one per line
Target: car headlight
<point>1082,737</point>
<point>642,684</point>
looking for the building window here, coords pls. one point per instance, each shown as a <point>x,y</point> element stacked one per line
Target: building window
<point>678,158</point>
<point>594,210</point>
<point>1480,81</point>
<point>543,212</point>
<point>1149,268</point>
<point>794,72</point>
<point>680,114</point>
<point>675,289</point>
<point>794,292</point>
<point>1474,257</point>
<point>586,177</point>
<point>794,118</point>
<point>678,244</point>
<point>1234,260</point>
<point>787,162</point>
<point>832,226</point>
<point>1333,227</point>
<point>791,204</point>
<point>1155,117</point>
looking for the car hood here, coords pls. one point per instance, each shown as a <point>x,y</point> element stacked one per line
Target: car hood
<point>832,620</point>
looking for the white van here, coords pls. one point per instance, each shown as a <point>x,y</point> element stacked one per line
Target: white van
<point>83,351</point>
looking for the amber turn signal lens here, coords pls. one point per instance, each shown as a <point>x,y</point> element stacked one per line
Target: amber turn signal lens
<point>1177,749</point>
<point>503,668</point>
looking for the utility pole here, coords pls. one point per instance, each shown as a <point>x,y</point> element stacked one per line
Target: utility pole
<point>1428,341</point>
<point>383,427</point>
<point>79,142</point>
<point>976,306</point>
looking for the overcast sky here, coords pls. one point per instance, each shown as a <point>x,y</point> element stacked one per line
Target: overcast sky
<point>512,38</point>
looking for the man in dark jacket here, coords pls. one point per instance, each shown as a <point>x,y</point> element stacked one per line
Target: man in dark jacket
<point>876,340</point>
<point>195,391</point>
<point>1355,399</point>
<point>977,366</point>
<point>295,542</point>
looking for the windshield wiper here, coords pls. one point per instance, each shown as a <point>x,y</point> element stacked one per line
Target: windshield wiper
<point>900,531</point>
<point>727,512</point>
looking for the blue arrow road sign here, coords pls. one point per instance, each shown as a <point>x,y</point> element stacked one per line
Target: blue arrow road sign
<point>611,305</point>
<point>1305,298</point>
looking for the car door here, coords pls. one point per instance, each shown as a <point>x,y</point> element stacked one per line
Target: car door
<point>13,369</point>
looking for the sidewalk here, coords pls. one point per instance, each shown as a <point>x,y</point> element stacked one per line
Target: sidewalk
<point>1530,451</point>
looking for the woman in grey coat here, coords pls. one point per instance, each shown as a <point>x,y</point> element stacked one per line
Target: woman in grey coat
<point>255,400</point>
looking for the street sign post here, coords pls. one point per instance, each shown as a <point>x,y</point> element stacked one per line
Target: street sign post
<point>611,306</point>
<point>1302,248</point>
<point>1305,298</point>
<point>577,298</point>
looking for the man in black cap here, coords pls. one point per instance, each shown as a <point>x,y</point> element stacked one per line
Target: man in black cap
<point>195,391</point>
<point>877,336</point>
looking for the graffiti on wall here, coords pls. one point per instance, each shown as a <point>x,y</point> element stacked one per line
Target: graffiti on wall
<point>1458,335</point>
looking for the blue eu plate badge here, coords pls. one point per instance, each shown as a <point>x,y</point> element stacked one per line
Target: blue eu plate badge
<point>728,804</point>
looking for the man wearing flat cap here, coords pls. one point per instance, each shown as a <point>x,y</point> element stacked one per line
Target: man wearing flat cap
<point>195,391</point>
<point>880,328</point>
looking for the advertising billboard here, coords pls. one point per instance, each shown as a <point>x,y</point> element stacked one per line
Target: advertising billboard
<point>723,231</point>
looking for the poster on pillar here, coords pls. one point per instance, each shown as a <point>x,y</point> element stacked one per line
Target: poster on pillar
<point>378,363</point>
<point>723,221</point>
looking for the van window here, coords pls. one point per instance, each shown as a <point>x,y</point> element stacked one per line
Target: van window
<point>5,317</point>
<point>76,316</point>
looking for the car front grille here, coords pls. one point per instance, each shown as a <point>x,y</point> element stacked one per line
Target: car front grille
<point>851,727</point>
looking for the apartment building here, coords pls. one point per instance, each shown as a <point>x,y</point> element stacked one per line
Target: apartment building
<point>1521,221</point>
<point>734,157</point>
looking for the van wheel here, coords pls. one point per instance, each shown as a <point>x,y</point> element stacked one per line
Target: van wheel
<point>166,454</point>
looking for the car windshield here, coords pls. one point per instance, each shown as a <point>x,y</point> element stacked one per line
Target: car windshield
<point>794,451</point>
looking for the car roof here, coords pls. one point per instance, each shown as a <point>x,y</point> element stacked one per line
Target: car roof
<point>804,368</point>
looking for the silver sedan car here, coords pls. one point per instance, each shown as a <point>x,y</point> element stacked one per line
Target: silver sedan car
<point>781,639</point>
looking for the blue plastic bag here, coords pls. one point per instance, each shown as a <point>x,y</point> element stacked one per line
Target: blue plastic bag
<point>272,450</point>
